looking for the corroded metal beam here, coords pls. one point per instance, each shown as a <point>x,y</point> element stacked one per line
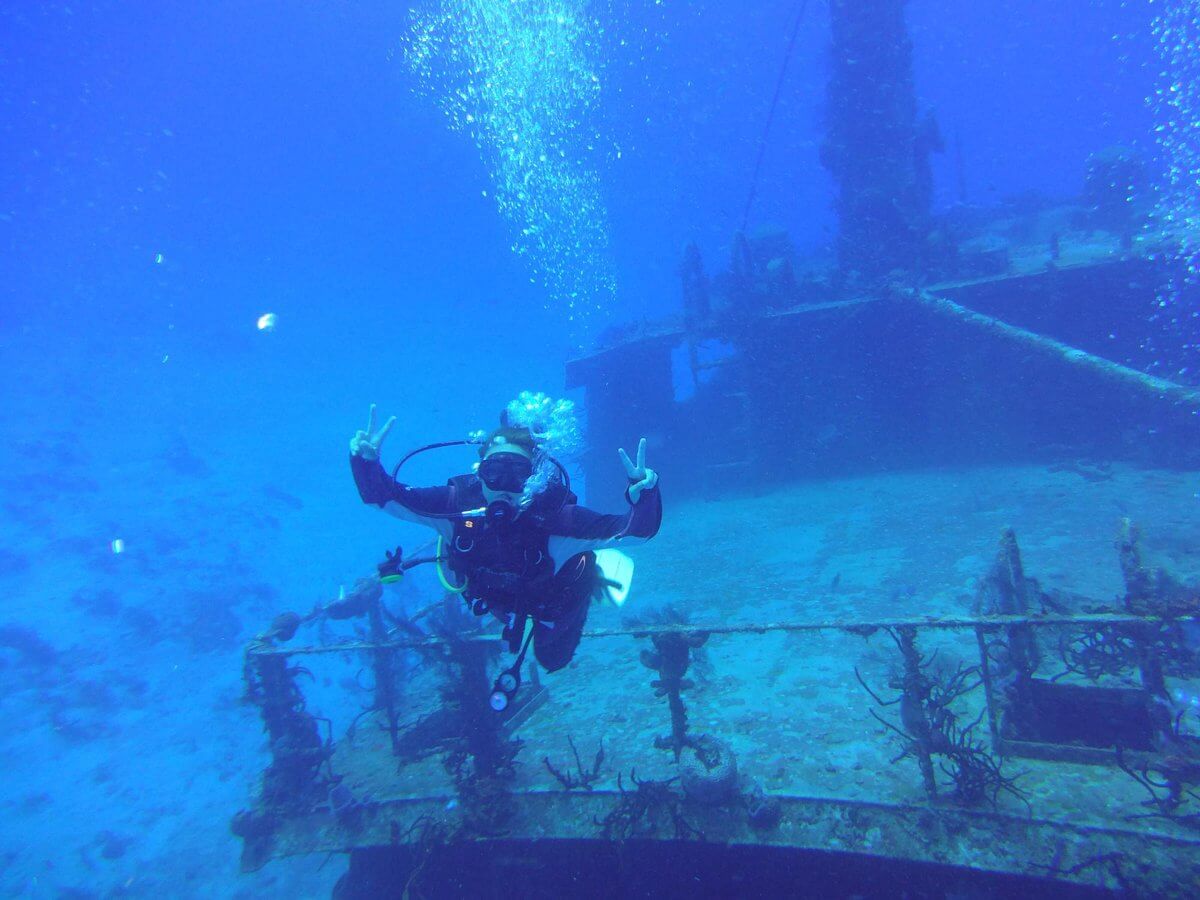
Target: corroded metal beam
<point>1072,356</point>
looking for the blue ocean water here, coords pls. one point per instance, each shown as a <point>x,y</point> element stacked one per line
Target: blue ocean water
<point>227,229</point>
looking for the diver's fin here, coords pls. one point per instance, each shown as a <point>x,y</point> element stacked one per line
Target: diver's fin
<point>617,571</point>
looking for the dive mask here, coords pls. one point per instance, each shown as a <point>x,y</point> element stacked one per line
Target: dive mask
<point>505,472</point>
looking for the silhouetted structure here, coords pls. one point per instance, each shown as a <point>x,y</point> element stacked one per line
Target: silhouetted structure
<point>877,147</point>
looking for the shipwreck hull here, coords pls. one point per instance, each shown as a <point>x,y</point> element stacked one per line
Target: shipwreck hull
<point>942,846</point>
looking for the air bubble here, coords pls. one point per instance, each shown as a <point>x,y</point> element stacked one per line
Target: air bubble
<point>524,77</point>
<point>1176,106</point>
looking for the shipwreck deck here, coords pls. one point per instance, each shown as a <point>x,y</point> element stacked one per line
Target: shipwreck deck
<point>1075,830</point>
<point>900,550</point>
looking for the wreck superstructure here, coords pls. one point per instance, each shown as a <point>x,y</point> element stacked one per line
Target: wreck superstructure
<point>1039,359</point>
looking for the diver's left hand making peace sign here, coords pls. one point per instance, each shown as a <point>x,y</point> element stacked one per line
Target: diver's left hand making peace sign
<point>640,477</point>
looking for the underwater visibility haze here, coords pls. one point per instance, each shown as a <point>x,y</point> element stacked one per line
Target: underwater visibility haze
<point>600,447</point>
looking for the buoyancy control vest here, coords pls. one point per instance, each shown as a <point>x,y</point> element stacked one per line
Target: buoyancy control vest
<point>506,562</point>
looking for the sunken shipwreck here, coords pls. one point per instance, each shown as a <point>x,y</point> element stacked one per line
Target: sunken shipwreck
<point>765,705</point>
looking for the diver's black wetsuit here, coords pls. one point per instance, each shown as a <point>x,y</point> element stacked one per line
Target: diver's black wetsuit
<point>538,564</point>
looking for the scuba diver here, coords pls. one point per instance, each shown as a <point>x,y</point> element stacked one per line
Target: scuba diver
<point>519,545</point>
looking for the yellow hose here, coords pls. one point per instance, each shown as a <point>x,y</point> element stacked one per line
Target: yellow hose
<point>442,575</point>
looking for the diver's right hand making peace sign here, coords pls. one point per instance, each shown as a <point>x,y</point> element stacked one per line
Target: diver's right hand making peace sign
<point>367,443</point>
